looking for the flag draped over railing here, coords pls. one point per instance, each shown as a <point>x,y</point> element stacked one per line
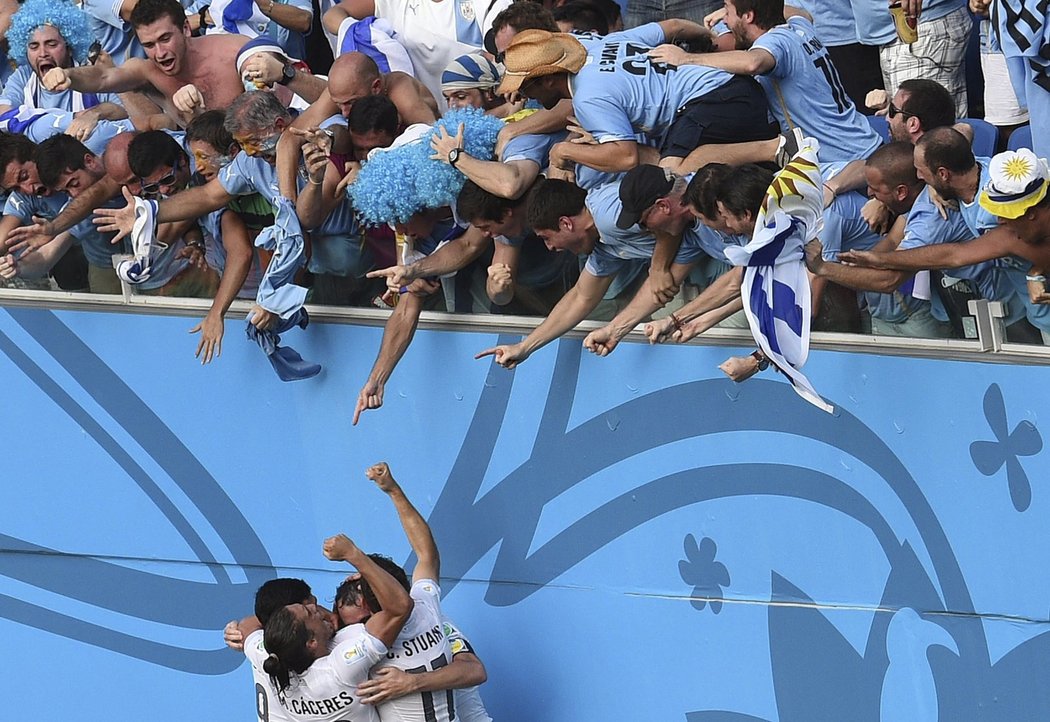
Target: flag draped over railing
<point>775,289</point>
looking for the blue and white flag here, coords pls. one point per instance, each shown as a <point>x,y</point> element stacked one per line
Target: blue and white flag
<point>775,290</point>
<point>376,38</point>
<point>240,17</point>
<point>145,246</point>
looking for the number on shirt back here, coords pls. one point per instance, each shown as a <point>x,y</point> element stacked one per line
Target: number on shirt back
<point>638,61</point>
<point>429,712</point>
<point>832,76</point>
<point>262,703</point>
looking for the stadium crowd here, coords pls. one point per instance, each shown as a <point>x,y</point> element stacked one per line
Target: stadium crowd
<point>561,160</point>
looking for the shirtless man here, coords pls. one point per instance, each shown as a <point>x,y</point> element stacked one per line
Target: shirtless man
<point>184,75</point>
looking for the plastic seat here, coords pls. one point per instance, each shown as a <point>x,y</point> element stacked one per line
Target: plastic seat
<point>880,125</point>
<point>985,136</point>
<point>1021,138</point>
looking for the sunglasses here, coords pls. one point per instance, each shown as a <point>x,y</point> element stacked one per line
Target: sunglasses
<point>894,111</point>
<point>154,188</point>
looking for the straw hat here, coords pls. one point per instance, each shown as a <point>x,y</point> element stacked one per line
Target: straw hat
<point>535,53</point>
<point>1019,181</point>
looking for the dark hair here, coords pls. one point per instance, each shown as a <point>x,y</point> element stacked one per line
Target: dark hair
<point>947,148</point>
<point>57,155</point>
<point>551,199</point>
<point>208,127</point>
<point>151,150</point>
<point>610,9</point>
<point>278,593</point>
<point>285,638</point>
<point>477,204</point>
<point>389,566</point>
<point>744,188</point>
<point>929,101</point>
<point>15,147</point>
<point>583,16</point>
<point>702,191</point>
<point>147,12</point>
<point>896,162</point>
<point>373,113</point>
<point>524,15</point>
<point>768,13</point>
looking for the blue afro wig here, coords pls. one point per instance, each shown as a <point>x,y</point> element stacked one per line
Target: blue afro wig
<point>71,22</point>
<point>395,184</point>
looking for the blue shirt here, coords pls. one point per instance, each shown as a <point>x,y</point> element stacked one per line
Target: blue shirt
<point>54,121</point>
<point>15,93</point>
<point>97,247</point>
<point>620,92</point>
<point>846,230</point>
<point>117,37</point>
<point>806,80</point>
<point>833,20</point>
<point>337,243</point>
<point>875,25</point>
<point>532,146</point>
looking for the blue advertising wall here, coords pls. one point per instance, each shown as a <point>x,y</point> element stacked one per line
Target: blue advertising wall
<point>633,537</point>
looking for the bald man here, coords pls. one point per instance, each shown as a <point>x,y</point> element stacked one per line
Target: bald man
<point>353,76</point>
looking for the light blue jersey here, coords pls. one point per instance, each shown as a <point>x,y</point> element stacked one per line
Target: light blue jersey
<point>532,146</point>
<point>24,88</point>
<point>117,37</point>
<point>846,230</point>
<point>337,245</point>
<point>805,79</point>
<point>215,253</point>
<point>620,92</point>
<point>39,125</point>
<point>833,20</point>
<point>615,245</point>
<point>875,25</point>
<point>96,246</point>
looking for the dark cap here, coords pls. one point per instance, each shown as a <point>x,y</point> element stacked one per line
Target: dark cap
<point>640,188</point>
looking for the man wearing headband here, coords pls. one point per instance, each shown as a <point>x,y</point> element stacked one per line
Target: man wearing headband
<point>49,34</point>
<point>1016,195</point>
<point>470,81</point>
<point>184,75</point>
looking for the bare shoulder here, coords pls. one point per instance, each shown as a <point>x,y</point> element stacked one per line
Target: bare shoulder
<point>224,44</point>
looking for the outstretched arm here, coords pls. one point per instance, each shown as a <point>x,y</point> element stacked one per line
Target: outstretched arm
<point>392,597</point>
<point>428,561</point>
<point>996,243</point>
<point>571,309</point>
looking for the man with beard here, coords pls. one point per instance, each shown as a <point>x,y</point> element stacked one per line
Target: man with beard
<point>184,75</point>
<point>44,36</point>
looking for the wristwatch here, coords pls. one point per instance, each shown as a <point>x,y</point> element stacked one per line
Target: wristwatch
<point>287,74</point>
<point>453,156</point>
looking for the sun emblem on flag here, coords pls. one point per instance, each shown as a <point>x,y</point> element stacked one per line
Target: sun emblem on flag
<point>1017,168</point>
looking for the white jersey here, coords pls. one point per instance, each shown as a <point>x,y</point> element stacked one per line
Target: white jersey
<point>421,647</point>
<point>437,32</point>
<point>267,707</point>
<point>469,707</point>
<point>327,691</point>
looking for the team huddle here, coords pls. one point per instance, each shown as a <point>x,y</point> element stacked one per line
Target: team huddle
<point>385,651</point>
<point>502,158</point>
